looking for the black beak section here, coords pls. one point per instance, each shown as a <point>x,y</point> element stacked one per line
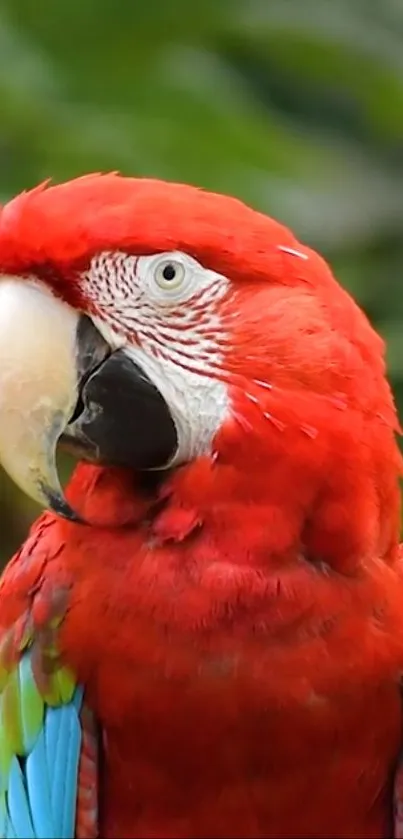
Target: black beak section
<point>120,419</point>
<point>61,382</point>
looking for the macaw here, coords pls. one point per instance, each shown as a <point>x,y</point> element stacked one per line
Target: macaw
<point>203,634</point>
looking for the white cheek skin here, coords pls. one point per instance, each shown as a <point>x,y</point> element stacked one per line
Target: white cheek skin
<point>198,403</point>
<point>173,336</point>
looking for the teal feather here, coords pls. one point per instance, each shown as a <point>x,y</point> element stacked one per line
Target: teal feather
<point>11,834</point>
<point>18,803</point>
<point>3,815</point>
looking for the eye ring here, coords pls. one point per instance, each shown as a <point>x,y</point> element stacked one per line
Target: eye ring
<point>169,274</point>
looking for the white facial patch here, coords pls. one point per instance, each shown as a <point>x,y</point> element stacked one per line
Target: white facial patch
<point>165,310</point>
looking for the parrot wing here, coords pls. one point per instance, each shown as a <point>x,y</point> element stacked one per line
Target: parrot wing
<point>40,746</point>
<point>48,741</point>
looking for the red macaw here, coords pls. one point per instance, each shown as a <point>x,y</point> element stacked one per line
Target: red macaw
<point>204,636</point>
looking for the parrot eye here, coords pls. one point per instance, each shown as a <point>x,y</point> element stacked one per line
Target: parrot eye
<point>169,274</point>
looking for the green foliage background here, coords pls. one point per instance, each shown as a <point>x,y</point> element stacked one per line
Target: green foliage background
<point>294,105</point>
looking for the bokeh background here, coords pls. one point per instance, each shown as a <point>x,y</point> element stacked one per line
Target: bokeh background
<point>296,106</point>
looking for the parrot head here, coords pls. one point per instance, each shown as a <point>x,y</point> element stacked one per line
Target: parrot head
<point>149,325</point>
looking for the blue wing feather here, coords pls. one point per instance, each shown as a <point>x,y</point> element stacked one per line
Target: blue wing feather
<point>68,806</point>
<point>41,788</point>
<point>38,790</point>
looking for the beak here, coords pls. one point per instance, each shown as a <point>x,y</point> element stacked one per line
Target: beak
<point>61,381</point>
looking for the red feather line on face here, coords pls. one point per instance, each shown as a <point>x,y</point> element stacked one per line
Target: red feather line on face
<point>54,232</point>
<point>308,320</point>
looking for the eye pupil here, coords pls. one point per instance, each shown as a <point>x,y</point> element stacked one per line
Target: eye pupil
<point>169,272</point>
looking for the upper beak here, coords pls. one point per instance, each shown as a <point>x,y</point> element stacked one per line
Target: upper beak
<point>59,379</point>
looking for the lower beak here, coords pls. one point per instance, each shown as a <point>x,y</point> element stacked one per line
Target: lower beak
<point>61,381</point>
